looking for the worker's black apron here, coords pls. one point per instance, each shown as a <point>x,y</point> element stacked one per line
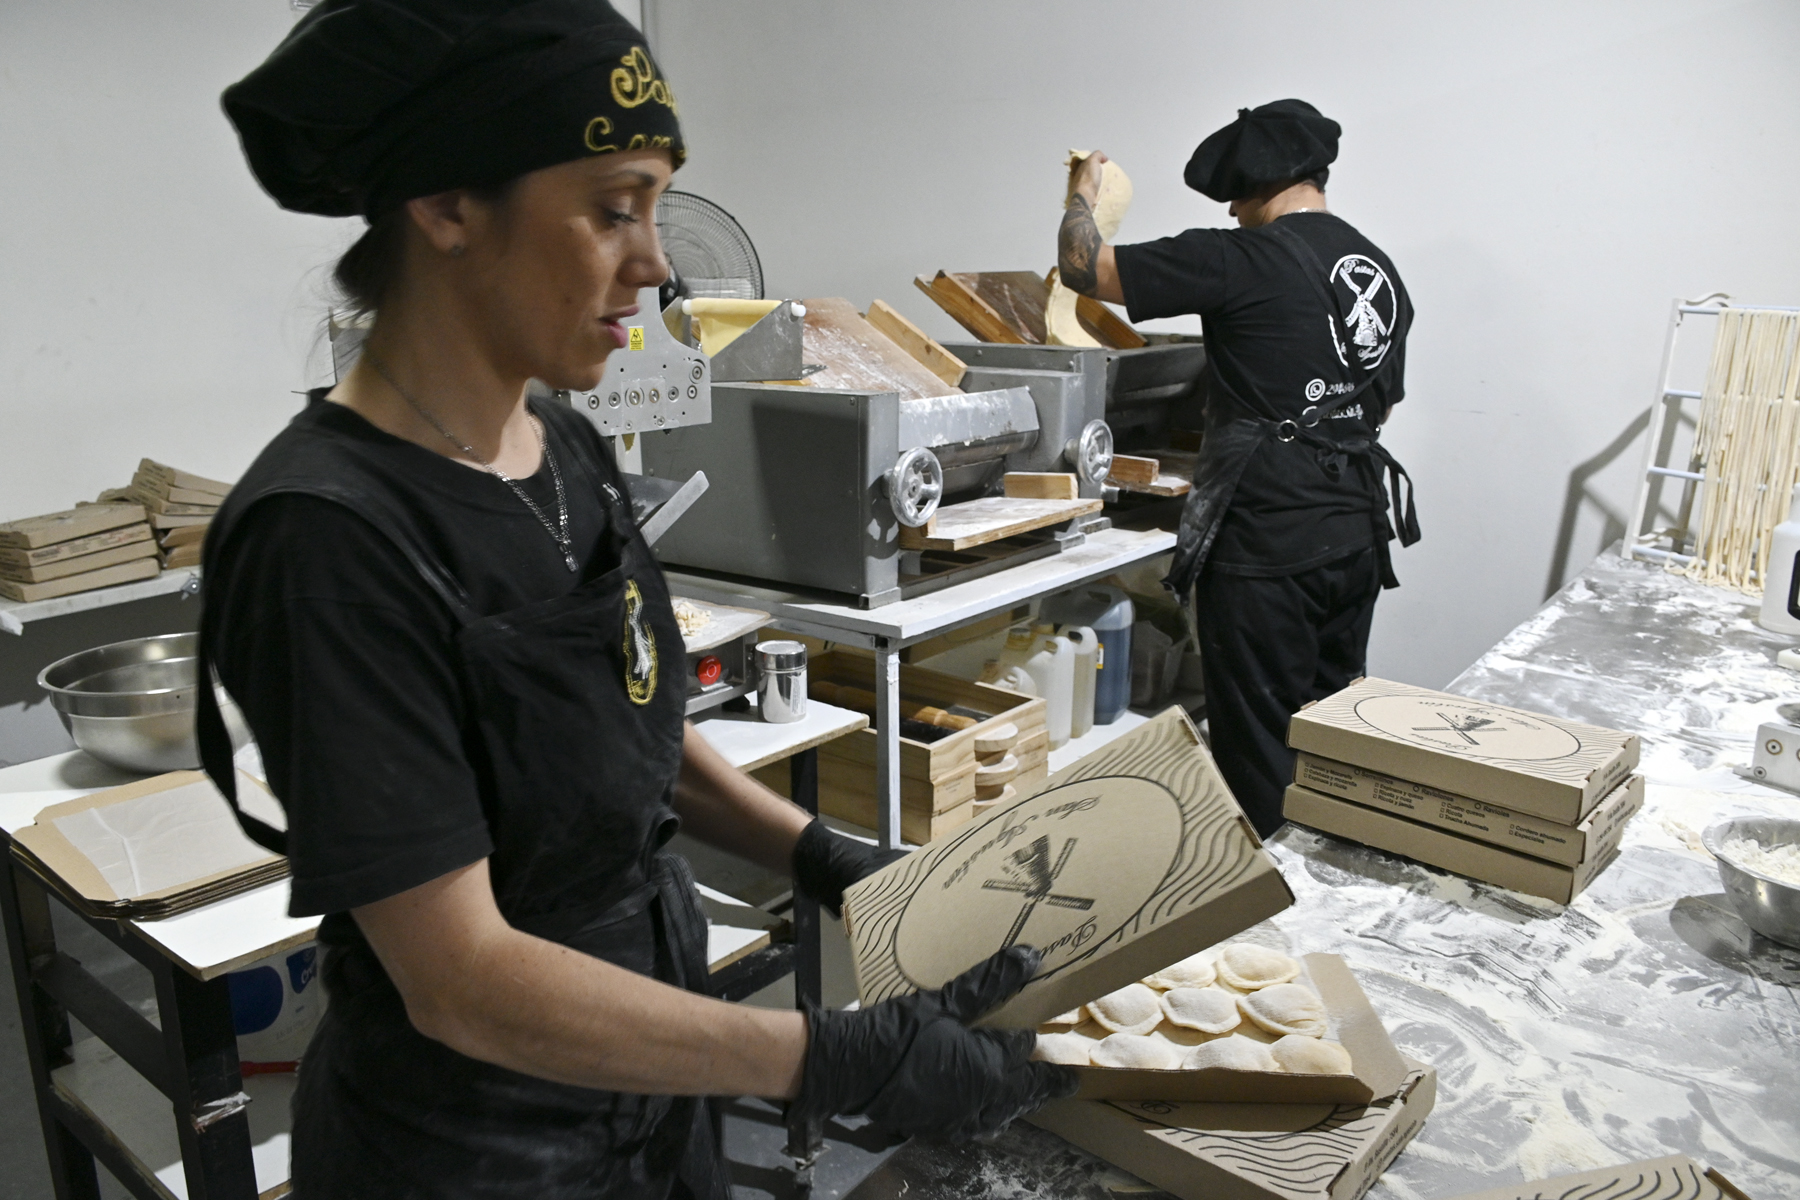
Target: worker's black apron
<point>575,720</point>
<point>1237,426</point>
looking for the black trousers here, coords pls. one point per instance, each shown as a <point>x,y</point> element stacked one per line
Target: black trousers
<point>1269,647</point>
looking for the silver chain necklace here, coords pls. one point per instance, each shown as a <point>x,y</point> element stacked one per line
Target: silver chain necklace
<point>559,531</point>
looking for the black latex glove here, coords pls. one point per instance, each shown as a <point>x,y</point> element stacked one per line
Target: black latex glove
<point>825,863</point>
<point>913,1065</point>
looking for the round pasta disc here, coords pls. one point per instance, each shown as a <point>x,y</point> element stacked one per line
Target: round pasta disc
<point>1134,1052</point>
<point>1248,967</point>
<point>1234,1052</point>
<point>1286,1008</point>
<point>1207,1010</point>
<point>1133,1009</point>
<point>1073,1017</point>
<point>1302,1055</point>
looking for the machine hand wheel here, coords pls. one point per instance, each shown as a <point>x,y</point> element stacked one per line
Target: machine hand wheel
<point>1092,452</point>
<point>915,484</point>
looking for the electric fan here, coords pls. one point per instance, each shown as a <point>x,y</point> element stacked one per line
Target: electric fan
<point>709,252</point>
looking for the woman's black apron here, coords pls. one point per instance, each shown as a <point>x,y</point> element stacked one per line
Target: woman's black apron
<point>574,726</point>
<point>1236,426</point>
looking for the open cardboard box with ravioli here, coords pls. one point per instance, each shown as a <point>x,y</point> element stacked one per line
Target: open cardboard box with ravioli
<point>1123,864</point>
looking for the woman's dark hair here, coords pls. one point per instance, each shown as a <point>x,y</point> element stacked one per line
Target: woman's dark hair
<point>368,269</point>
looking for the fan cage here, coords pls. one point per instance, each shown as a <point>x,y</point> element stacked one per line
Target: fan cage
<point>709,250</point>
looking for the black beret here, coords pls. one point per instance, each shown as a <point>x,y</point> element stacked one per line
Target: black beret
<point>1286,139</point>
<point>369,103</point>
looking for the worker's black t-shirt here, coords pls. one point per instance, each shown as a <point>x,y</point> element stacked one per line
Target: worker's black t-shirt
<point>342,657</point>
<point>1269,334</point>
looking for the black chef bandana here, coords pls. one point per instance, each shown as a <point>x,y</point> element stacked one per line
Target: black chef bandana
<point>370,103</point>
<point>1286,139</point>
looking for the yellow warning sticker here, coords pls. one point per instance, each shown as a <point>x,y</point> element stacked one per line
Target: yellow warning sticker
<point>637,337</point>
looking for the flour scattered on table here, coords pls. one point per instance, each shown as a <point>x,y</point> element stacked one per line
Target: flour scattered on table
<point>691,617</point>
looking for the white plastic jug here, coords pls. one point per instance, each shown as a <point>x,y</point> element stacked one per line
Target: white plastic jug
<point>1087,658</point>
<point>1108,612</point>
<point>1008,670</point>
<point>1784,543</point>
<point>1052,668</point>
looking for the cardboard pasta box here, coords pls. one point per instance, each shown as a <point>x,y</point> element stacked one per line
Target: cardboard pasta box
<point>1570,845</point>
<point>1133,858</point>
<point>1250,1151</point>
<point>1377,1068</point>
<point>1534,764</point>
<point>1676,1177</point>
<point>1465,856</point>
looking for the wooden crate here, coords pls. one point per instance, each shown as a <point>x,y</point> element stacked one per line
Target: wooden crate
<point>937,779</point>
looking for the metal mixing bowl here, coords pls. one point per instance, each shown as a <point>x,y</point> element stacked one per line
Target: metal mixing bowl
<point>1769,906</point>
<point>131,704</point>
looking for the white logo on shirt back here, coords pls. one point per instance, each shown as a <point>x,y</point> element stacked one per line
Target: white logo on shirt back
<point>1372,307</point>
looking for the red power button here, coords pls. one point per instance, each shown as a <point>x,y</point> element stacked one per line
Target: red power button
<point>709,670</point>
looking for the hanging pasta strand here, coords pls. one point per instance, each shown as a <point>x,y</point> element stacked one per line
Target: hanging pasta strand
<point>1747,444</point>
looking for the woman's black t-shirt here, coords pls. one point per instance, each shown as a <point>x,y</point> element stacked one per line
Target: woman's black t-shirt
<point>341,656</point>
<point>1269,334</point>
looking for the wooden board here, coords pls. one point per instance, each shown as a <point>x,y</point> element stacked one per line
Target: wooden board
<point>976,522</point>
<point>1130,469</point>
<point>969,310</point>
<point>1041,485</point>
<point>858,356</point>
<point>1168,473</point>
<point>916,342</point>
<point>1106,325</point>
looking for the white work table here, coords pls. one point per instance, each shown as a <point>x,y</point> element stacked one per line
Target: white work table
<point>893,627</point>
<point>120,1106</point>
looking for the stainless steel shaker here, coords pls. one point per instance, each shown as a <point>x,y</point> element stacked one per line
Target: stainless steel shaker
<point>781,680</point>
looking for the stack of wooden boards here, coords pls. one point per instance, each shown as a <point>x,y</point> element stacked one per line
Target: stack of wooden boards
<point>180,504</point>
<point>1010,306</point>
<point>992,739</point>
<point>60,554</point>
<point>1530,802</point>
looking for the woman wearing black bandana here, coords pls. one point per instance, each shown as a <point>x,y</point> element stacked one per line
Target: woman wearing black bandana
<point>1284,537</point>
<point>449,639</point>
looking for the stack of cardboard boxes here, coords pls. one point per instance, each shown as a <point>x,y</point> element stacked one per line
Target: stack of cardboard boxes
<point>1526,801</point>
<point>180,505</point>
<point>59,554</point>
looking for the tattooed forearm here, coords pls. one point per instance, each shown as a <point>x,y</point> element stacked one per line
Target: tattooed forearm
<point>1078,247</point>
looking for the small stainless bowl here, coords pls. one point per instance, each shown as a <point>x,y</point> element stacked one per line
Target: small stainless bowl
<point>1769,906</point>
<point>131,704</point>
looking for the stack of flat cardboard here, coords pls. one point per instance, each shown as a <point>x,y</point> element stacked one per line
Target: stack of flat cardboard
<point>180,505</point>
<point>150,849</point>
<point>1530,802</point>
<point>59,554</point>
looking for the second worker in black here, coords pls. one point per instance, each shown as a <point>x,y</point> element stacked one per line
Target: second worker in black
<point>1284,537</point>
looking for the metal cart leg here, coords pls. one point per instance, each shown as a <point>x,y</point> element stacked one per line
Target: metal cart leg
<point>806,1138</point>
<point>887,744</point>
<point>31,942</point>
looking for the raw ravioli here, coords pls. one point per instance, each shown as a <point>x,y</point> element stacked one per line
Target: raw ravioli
<point>1068,1049</point>
<point>1134,1008</point>
<point>1248,967</point>
<point>1304,1055</point>
<point>1133,1052</point>
<point>1207,1009</point>
<point>1192,972</point>
<point>1074,1016</point>
<point>1286,1008</point>
<point>1237,1053</point>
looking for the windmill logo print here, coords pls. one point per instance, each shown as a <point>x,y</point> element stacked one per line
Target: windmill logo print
<point>1372,309</point>
<point>1030,873</point>
<point>1463,729</point>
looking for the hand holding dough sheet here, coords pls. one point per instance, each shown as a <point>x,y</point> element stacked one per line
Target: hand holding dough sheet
<point>1061,325</point>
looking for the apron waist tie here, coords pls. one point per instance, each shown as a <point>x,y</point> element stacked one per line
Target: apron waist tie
<point>1398,494</point>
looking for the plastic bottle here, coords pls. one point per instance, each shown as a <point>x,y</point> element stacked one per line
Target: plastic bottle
<point>1008,670</point>
<point>1052,668</point>
<point>1087,654</point>
<point>1109,613</point>
<point>1784,543</point>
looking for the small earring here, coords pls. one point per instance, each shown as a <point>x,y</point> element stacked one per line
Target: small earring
<point>456,251</point>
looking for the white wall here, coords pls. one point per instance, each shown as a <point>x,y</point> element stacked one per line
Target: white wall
<point>1546,176</point>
